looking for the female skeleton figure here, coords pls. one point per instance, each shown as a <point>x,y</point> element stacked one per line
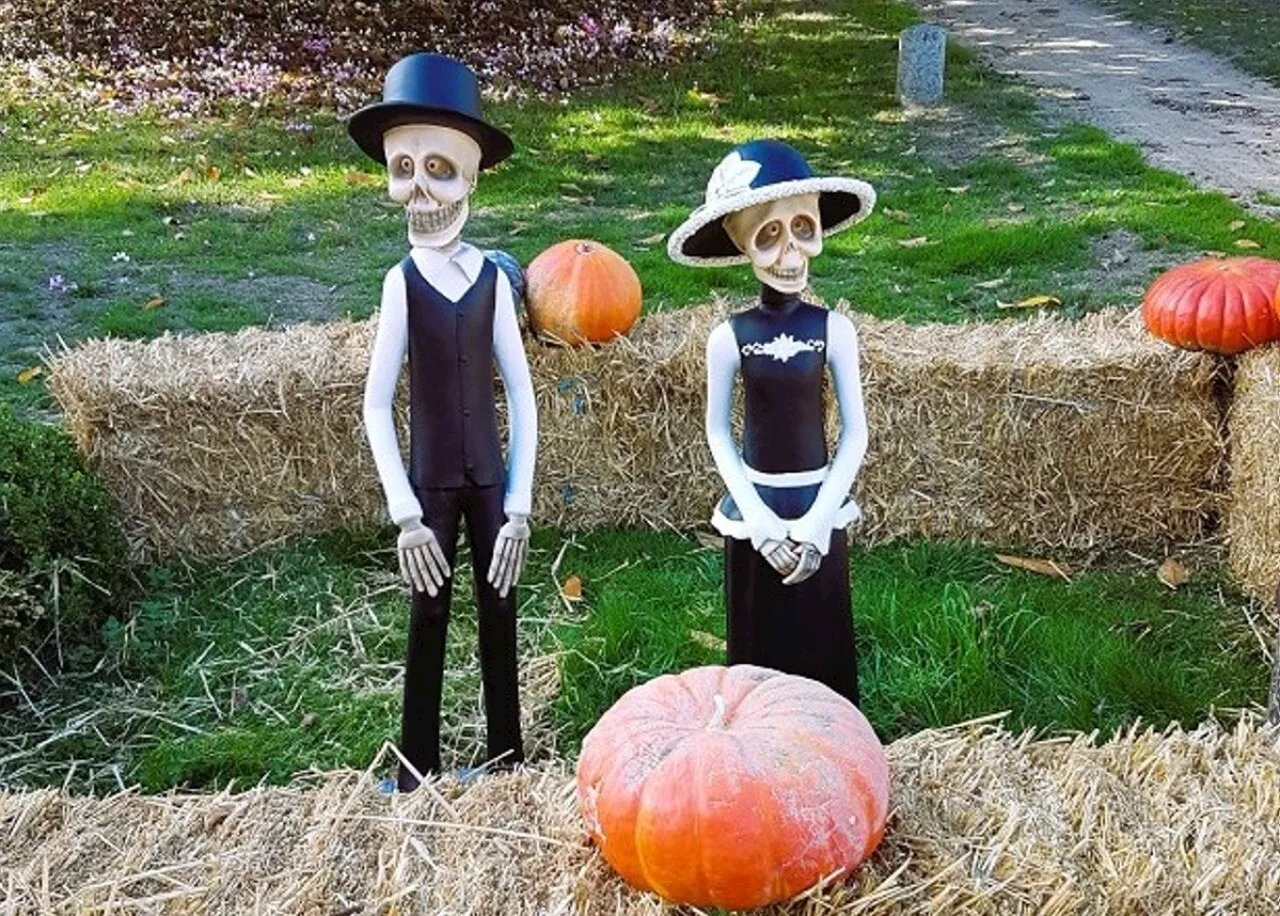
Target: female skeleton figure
<point>451,310</point>
<point>786,575</point>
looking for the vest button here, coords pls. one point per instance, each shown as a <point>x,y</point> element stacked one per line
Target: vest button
<point>464,358</point>
<point>466,413</point>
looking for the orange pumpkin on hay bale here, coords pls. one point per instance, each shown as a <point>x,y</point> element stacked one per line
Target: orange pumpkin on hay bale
<point>733,787</point>
<point>1225,306</point>
<point>581,291</point>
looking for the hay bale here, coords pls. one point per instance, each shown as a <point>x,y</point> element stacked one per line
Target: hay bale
<point>1253,490</point>
<point>983,822</point>
<point>1042,434</point>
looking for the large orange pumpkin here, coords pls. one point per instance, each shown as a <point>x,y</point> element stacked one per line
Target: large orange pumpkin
<point>1225,306</point>
<point>733,787</point>
<point>582,292</point>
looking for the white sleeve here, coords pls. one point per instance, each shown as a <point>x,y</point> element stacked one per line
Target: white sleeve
<point>722,367</point>
<point>389,348</point>
<point>522,408</point>
<point>816,525</point>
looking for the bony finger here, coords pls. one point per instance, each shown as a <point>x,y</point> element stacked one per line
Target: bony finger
<point>432,567</point>
<point>429,584</point>
<point>405,573</point>
<point>495,564</point>
<point>437,554</point>
<point>503,583</point>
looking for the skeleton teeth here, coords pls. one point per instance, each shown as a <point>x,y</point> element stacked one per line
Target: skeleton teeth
<point>791,273</point>
<point>436,219</point>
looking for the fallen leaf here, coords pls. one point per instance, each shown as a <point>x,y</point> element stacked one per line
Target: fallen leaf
<point>1016,208</point>
<point>710,541</point>
<point>705,98</point>
<point>213,173</point>
<point>1172,573</point>
<point>1237,225</point>
<point>186,176</point>
<point>153,303</point>
<point>992,284</point>
<point>1034,302</point>
<point>900,216</point>
<point>959,189</point>
<point>293,182</point>
<point>708,640</point>
<point>1043,567</point>
<point>572,589</point>
<point>1247,243</point>
<point>360,179</point>
<point>651,239</point>
<point>915,242</point>
<point>308,720</point>
<point>29,375</point>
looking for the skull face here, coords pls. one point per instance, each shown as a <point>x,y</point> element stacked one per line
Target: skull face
<point>431,170</point>
<point>780,237</point>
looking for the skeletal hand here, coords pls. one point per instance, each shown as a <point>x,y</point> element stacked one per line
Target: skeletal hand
<point>509,552</point>
<point>781,555</point>
<point>422,563</point>
<point>808,563</point>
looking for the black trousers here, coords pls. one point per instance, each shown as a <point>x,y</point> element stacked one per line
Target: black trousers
<point>804,629</point>
<point>424,660</point>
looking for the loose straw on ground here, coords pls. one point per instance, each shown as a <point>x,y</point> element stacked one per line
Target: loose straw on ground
<point>983,822</point>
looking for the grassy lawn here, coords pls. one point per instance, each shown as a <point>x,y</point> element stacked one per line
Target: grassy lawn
<point>144,225</point>
<point>289,661</point>
<point>1243,31</point>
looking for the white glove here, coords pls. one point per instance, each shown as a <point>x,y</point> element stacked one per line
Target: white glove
<point>422,563</point>
<point>510,549</point>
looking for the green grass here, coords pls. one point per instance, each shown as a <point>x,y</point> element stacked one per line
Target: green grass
<point>946,633</point>
<point>286,661</point>
<point>1243,31</point>
<point>238,220</point>
<point>290,661</point>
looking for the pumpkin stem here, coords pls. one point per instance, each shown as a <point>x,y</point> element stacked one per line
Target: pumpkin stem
<point>717,720</point>
<point>585,248</point>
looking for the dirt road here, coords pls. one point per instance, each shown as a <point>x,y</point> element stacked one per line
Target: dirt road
<point>1192,112</point>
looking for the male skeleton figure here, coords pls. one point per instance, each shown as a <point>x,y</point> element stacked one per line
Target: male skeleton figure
<point>786,576</point>
<point>451,310</point>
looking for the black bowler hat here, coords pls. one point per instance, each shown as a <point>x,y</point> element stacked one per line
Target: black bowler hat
<point>429,89</point>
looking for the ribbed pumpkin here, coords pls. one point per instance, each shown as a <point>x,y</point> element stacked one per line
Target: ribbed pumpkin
<point>733,787</point>
<point>1224,306</point>
<point>582,292</point>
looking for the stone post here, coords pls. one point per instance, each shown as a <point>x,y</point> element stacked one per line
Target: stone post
<point>922,56</point>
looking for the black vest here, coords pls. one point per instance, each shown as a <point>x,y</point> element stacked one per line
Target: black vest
<point>453,423</point>
<point>783,354</point>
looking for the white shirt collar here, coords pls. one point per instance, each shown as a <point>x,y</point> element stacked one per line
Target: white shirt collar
<point>431,261</point>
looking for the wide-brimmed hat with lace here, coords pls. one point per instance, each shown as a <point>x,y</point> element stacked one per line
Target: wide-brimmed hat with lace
<point>754,173</point>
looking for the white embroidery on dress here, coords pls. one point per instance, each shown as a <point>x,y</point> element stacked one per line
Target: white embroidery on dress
<point>783,347</point>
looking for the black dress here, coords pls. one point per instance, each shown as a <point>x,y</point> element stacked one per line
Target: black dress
<point>804,629</point>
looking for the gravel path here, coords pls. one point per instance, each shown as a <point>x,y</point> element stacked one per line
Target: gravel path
<point>1192,112</point>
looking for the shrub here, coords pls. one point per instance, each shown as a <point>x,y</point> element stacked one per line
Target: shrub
<point>62,556</point>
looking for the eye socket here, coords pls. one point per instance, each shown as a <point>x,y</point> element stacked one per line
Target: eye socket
<point>769,234</point>
<point>440,167</point>
<point>803,228</point>
<point>402,167</point>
